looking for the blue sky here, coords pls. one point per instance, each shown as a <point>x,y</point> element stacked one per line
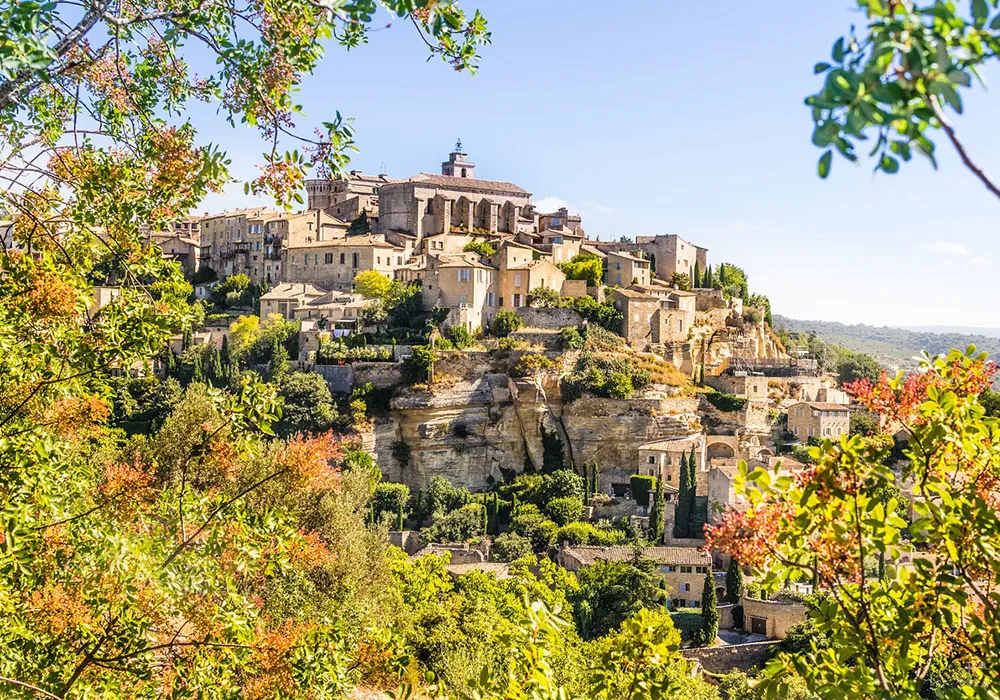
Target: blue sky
<point>668,117</point>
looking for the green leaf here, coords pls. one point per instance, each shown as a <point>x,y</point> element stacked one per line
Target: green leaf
<point>980,11</point>
<point>838,50</point>
<point>821,67</point>
<point>889,165</point>
<point>824,164</point>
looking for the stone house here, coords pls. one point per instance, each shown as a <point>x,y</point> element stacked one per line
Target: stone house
<point>337,312</point>
<point>561,219</point>
<point>285,298</point>
<point>181,249</point>
<point>740,383</point>
<point>670,254</point>
<point>454,200</point>
<point>814,419</point>
<point>225,236</point>
<point>682,569</point>
<point>519,273</point>
<point>662,459</point>
<point>335,263</point>
<point>638,311</point>
<point>722,485</point>
<point>623,270</point>
<point>463,282</point>
<point>771,618</point>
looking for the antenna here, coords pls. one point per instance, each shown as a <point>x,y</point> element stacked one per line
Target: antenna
<point>381,169</point>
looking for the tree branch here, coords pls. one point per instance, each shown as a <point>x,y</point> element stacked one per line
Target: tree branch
<point>953,137</point>
<point>33,688</point>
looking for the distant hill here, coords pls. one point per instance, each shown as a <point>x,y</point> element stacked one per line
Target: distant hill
<point>893,347</point>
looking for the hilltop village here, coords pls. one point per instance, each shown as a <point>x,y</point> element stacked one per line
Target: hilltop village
<point>521,387</point>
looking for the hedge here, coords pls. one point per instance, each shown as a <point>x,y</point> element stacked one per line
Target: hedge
<point>641,485</point>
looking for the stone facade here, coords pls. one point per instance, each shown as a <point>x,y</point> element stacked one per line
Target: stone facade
<point>670,254</point>
<point>334,264</point>
<point>623,270</point>
<point>347,198</point>
<point>286,298</point>
<point>771,618</point>
<point>811,419</point>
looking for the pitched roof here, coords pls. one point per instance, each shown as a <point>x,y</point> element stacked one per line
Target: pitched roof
<point>587,248</point>
<point>290,290</point>
<point>632,294</point>
<point>823,405</point>
<point>366,241</point>
<point>688,556</point>
<point>462,260</point>
<point>673,444</point>
<point>468,183</point>
<point>499,569</point>
<point>628,256</point>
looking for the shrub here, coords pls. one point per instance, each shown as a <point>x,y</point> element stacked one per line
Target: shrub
<point>459,336</point>
<point>563,483</point>
<point>570,338</point>
<point>726,403</point>
<point>510,546</point>
<point>417,366</point>
<point>585,266</point>
<point>619,385</point>
<point>641,485</point>
<point>586,533</point>
<point>442,497</point>
<point>458,526</point>
<point>390,498</point>
<point>543,297</point>
<point>564,510</point>
<point>751,316</point>
<point>530,523</point>
<point>688,624</point>
<point>505,323</point>
<point>737,613</point>
<point>510,344</point>
<point>444,344</point>
<point>401,453</point>
<point>530,365</point>
<point>479,247</point>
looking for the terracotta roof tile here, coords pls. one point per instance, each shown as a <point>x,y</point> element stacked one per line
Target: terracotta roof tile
<point>688,556</point>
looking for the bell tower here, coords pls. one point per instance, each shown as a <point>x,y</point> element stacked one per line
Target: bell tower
<point>458,163</point>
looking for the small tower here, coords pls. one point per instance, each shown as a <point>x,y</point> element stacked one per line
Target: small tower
<point>458,163</point>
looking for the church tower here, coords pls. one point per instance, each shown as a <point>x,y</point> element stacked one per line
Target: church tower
<point>458,163</point>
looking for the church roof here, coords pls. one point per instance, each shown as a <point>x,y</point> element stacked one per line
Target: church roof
<point>468,183</point>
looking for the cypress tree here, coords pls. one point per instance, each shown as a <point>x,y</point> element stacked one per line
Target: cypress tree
<point>692,513</point>
<point>170,364</point>
<point>486,518</point>
<point>587,493</point>
<point>419,508</point>
<point>723,277</point>
<point>696,277</point>
<point>224,353</point>
<point>279,359</point>
<point>709,611</point>
<point>656,515</point>
<point>399,518</point>
<point>196,374</point>
<point>513,506</point>
<point>215,371</point>
<point>734,581</point>
<point>682,514</point>
<point>595,480</point>
<point>496,513</point>
<point>186,339</point>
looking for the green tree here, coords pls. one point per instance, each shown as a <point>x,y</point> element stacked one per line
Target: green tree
<point>480,248</point>
<point>611,592</point>
<point>692,495</point>
<point>308,405</point>
<point>656,514</point>
<point>709,611</point>
<point>506,322</point>
<point>360,225</point>
<point>278,366</point>
<point>682,515</point>
<point>564,510</point>
<point>584,266</point>
<point>372,285</point>
<point>510,546</point>
<point>734,581</point>
<point>857,366</point>
<point>457,526</point>
<point>390,498</point>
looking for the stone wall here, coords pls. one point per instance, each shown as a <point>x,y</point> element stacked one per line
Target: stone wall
<point>407,540</point>
<point>737,657</point>
<point>552,319</point>
<point>343,378</point>
<point>780,617</point>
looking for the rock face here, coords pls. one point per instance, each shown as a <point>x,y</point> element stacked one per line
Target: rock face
<point>477,431</point>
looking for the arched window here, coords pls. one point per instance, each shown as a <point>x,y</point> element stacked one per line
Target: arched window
<point>463,172</point>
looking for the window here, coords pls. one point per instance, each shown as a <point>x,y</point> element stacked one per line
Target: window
<point>354,259</point>
<point>701,570</point>
<point>798,411</point>
<point>652,459</point>
<point>686,570</point>
<point>695,603</point>
<point>669,569</point>
<point>310,226</point>
<point>293,259</point>
<point>491,299</point>
<point>515,300</point>
<point>810,432</point>
<point>479,275</point>
<point>342,258</point>
<point>517,279</point>
<point>670,477</point>
<point>680,325</point>
<point>464,299</point>
<point>464,275</point>
<point>328,258</point>
<point>399,259</point>
<point>826,431</point>
<point>795,430</point>
<point>685,587</point>
<point>556,221</point>
<point>378,260</point>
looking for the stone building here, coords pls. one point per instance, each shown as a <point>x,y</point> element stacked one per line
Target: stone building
<point>346,199</point>
<point>682,569</point>
<point>336,312</point>
<point>813,419</point>
<point>225,239</point>
<point>662,459</point>
<point>520,272</point>
<point>183,250</point>
<point>284,299</point>
<point>638,310</point>
<point>623,270</point>
<point>454,200</point>
<point>670,254</point>
<point>561,219</point>
<point>334,264</point>
<point>464,283</point>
